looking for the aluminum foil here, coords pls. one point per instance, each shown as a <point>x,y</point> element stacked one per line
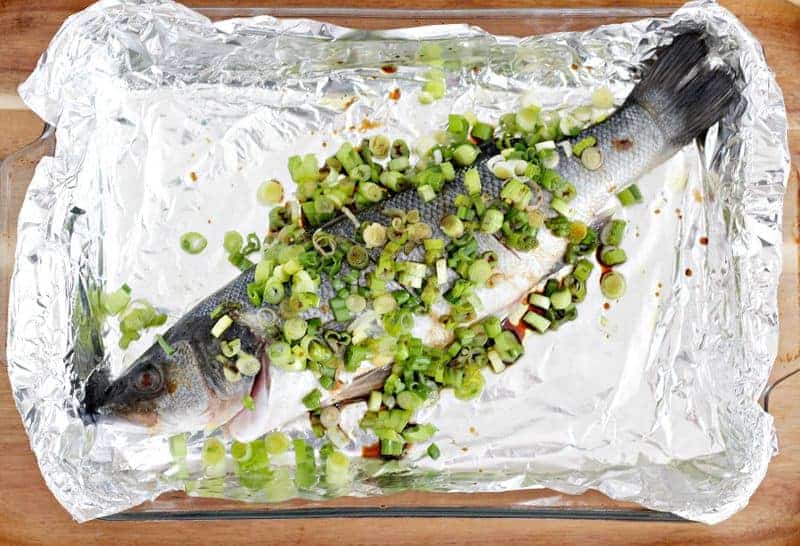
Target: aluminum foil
<point>167,122</point>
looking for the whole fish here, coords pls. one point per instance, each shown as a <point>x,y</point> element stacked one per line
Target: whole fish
<point>680,96</point>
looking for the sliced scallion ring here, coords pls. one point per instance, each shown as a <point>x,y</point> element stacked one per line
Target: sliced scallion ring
<point>193,242</point>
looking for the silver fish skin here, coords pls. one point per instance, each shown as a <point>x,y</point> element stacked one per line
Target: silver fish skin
<point>679,98</point>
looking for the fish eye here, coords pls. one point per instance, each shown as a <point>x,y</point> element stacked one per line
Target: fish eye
<point>148,379</point>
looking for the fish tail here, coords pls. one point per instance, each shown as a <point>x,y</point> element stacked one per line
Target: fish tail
<point>683,92</point>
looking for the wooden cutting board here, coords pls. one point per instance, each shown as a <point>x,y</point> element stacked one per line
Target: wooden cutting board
<point>30,515</point>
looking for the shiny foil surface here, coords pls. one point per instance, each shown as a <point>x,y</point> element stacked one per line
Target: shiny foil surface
<point>167,123</point>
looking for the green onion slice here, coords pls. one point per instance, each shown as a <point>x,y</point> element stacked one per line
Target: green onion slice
<point>193,242</point>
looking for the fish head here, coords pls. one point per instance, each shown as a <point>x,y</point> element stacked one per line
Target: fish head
<point>183,391</point>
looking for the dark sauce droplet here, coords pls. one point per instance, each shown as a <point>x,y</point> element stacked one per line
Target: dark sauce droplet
<point>606,306</point>
<point>372,451</point>
<point>519,329</point>
<point>703,241</point>
<point>394,94</point>
<point>688,272</point>
<point>389,69</point>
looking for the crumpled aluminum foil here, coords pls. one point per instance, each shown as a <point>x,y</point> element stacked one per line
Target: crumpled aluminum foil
<point>167,123</point>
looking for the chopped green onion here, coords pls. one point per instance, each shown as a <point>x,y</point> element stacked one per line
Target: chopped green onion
<point>539,300</point>
<point>602,98</point>
<point>374,235</point>
<point>549,158</point>
<point>273,292</point>
<point>561,299</point>
<point>613,285</point>
<point>302,282</point>
<point>222,324</point>
<point>348,157</point>
<point>375,399</point>
<point>164,345</point>
<point>312,399</point>
<point>561,207</point>
<point>379,146</point>
<point>435,88</point>
<point>319,352</point>
<point>355,303</point>
<point>419,433</point>
<point>409,400</point>
<point>339,309</point>
<point>233,242</point>
<point>303,169</point>
<point>323,242</point>
<point>280,353</point>
<point>370,191</point>
<point>482,131</point>
<point>472,181</point>
<point>577,232</point>
<point>193,242</point>
<point>492,221</point>
<point>399,148</point>
<point>527,118</point>
<point>391,448</point>
<point>465,154</point>
<point>569,125</point>
<point>213,452</point>
<point>516,193</point>
<point>384,303</point>
<point>426,193</point>
<point>582,270</point>
<point>452,226</point>
<point>582,144</point>
<point>305,464</point>
<point>276,443</point>
<point>536,321</point>
<point>592,158</point>
<point>248,403</point>
<point>399,163</point>
<point>241,451</point>
<point>495,361</point>
<point>425,97</point>
<point>613,233</point>
<point>330,417</point>
<point>457,127</point>
<point>479,272</point>
<point>295,328</point>
<point>116,302</point>
<point>337,469</point>
<point>612,256</point>
<point>247,364</point>
<point>270,193</point>
<point>177,447</point>
<point>433,451</point>
<point>471,384</point>
<point>630,195</point>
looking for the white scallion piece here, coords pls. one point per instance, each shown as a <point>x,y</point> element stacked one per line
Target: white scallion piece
<point>497,363</point>
<point>441,272</point>
<point>517,313</point>
<point>545,145</point>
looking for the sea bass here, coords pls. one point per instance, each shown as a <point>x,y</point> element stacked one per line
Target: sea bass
<point>187,388</point>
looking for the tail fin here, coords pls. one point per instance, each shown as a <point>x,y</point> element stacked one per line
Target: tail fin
<point>683,92</point>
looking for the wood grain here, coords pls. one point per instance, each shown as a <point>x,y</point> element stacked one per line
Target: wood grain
<point>30,515</point>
